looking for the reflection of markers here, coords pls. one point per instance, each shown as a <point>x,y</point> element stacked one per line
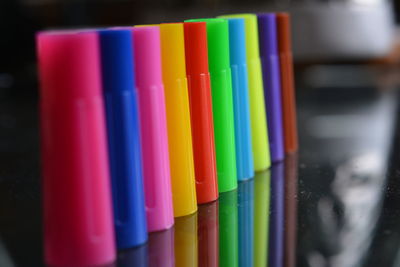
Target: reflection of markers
<point>272,86</point>
<point>186,247</point>
<point>246,222</point>
<point>228,230</point>
<point>290,243</point>
<point>78,225</point>
<point>137,257</point>
<point>156,171</point>
<point>123,137</point>
<point>258,118</point>
<point>208,235</point>
<point>201,111</point>
<point>261,217</point>
<point>276,226</point>
<point>287,83</point>
<point>161,248</point>
<point>221,85</point>
<point>178,119</point>
<point>240,87</point>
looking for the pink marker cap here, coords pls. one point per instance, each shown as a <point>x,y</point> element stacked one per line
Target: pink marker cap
<point>156,169</point>
<point>78,226</point>
<point>148,48</point>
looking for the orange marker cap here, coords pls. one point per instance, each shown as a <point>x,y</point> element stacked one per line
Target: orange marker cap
<point>287,83</point>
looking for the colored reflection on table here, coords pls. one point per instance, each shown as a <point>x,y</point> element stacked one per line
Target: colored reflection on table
<point>261,217</point>
<point>254,225</point>
<point>246,222</point>
<point>228,229</point>
<point>186,248</point>
<point>137,256</point>
<point>276,227</point>
<point>291,180</point>
<point>208,235</point>
<point>161,249</point>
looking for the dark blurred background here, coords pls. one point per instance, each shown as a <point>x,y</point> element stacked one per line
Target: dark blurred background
<point>324,31</point>
<point>347,55</point>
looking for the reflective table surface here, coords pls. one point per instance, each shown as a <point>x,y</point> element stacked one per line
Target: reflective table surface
<point>232,231</point>
<point>335,203</point>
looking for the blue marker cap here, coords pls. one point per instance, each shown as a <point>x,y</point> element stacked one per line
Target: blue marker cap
<point>123,137</point>
<point>244,152</point>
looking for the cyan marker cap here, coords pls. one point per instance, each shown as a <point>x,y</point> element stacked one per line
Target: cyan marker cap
<point>259,129</point>
<point>240,89</point>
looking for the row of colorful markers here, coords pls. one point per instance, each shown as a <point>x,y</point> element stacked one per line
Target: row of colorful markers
<point>188,110</point>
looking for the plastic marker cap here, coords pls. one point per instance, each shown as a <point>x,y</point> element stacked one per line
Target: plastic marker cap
<point>178,119</point>
<point>123,137</point>
<point>147,41</point>
<point>244,151</point>
<point>218,43</point>
<point>272,84</point>
<point>196,48</point>
<point>283,22</point>
<point>156,169</point>
<point>78,225</point>
<point>221,84</point>
<point>258,117</point>
<point>173,43</point>
<point>201,111</point>
<point>251,33</point>
<point>64,47</point>
<point>267,35</point>
<point>287,83</point>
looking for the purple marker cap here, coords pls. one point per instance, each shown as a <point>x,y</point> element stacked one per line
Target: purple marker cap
<point>272,87</point>
<point>267,26</point>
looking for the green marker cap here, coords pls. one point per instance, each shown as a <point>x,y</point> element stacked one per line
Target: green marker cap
<point>218,43</point>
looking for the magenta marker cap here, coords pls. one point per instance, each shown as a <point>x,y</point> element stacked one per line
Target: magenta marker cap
<point>156,169</point>
<point>78,224</point>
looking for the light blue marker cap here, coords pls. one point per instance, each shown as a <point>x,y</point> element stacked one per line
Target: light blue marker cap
<point>244,153</point>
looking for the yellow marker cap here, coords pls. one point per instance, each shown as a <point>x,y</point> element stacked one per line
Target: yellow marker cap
<point>178,119</point>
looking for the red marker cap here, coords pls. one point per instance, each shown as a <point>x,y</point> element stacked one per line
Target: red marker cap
<point>201,111</point>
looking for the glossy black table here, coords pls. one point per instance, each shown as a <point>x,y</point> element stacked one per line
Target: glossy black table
<point>336,203</point>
